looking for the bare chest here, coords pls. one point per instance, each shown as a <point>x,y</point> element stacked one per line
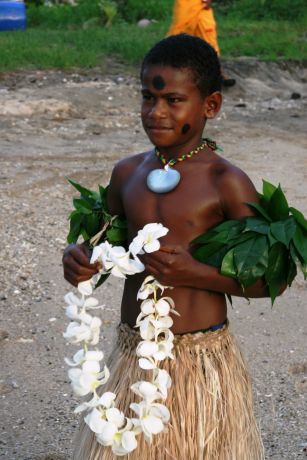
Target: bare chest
<point>188,210</point>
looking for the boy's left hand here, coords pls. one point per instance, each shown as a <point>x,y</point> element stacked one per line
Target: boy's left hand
<point>170,265</point>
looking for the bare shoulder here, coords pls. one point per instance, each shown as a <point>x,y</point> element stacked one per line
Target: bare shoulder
<point>235,189</point>
<point>121,171</point>
<point>127,165</point>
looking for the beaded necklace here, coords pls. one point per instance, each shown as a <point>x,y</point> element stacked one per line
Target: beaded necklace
<point>166,179</point>
<point>205,143</point>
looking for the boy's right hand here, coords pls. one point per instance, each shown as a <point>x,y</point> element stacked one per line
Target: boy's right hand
<point>76,264</point>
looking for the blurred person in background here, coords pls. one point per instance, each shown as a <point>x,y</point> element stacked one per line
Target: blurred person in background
<point>195,17</point>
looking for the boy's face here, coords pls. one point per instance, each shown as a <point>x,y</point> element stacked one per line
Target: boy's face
<point>173,109</point>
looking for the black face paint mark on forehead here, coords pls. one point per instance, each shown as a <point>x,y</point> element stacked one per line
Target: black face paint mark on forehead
<point>158,82</point>
<point>186,127</point>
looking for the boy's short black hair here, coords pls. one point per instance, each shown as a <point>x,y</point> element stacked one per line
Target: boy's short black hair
<point>186,51</point>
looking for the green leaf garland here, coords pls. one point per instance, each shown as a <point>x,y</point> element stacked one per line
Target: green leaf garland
<point>271,245</point>
<point>92,220</point>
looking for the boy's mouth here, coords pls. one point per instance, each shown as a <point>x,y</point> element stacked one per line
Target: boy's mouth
<point>158,128</point>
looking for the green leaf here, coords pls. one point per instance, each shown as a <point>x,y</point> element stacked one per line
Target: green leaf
<point>82,206</point>
<point>276,272</point>
<point>257,225</point>
<point>92,224</point>
<point>283,231</point>
<point>228,226</point>
<point>103,191</point>
<point>251,259</point>
<point>294,254</point>
<point>267,189</point>
<point>299,217</point>
<point>84,191</point>
<point>203,252</point>
<point>116,235</point>
<point>242,237</point>
<point>119,222</point>
<point>84,234</point>
<point>228,265</point>
<point>304,269</point>
<point>75,225</point>
<point>260,210</point>
<point>205,237</point>
<point>278,208</point>
<point>300,243</point>
<point>292,271</point>
<point>271,238</point>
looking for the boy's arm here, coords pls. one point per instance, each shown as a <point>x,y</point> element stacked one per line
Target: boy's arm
<point>174,266</point>
<point>76,257</point>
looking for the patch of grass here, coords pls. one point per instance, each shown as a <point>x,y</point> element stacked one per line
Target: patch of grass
<point>269,40</point>
<point>44,48</point>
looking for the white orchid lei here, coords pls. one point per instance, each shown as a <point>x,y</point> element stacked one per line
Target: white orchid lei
<point>111,426</point>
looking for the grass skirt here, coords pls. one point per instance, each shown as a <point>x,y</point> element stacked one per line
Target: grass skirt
<point>210,401</point>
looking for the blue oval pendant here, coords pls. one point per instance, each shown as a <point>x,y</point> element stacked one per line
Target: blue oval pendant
<point>163,180</point>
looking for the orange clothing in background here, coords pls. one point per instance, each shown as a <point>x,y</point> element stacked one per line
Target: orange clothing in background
<point>191,18</point>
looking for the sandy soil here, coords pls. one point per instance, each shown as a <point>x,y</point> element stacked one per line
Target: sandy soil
<point>56,125</point>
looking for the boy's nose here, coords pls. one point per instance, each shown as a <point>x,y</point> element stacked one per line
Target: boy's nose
<point>158,109</point>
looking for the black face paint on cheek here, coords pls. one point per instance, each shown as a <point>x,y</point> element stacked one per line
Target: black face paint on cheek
<point>158,82</point>
<point>185,128</point>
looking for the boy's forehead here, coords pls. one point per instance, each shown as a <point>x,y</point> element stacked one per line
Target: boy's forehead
<point>160,76</point>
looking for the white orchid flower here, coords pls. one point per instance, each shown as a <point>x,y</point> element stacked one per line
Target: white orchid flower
<point>74,314</point>
<point>88,332</point>
<point>106,401</point>
<point>126,444</point>
<point>147,364</point>
<point>150,418</point>
<point>116,260</point>
<point>149,286</point>
<point>148,391</point>
<point>94,402</point>
<point>71,299</point>
<point>147,349</point>
<point>162,381</point>
<point>81,356</point>
<point>86,287</point>
<point>147,330</point>
<point>164,351</point>
<point>96,420</point>
<point>88,378</point>
<point>115,420</point>
<point>76,332</point>
<point>164,305</point>
<point>148,239</point>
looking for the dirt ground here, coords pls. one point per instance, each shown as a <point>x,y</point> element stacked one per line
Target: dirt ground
<point>56,125</point>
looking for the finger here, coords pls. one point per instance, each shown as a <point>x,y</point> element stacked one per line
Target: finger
<point>73,266</point>
<point>158,259</point>
<point>168,250</point>
<point>82,258</point>
<point>152,270</point>
<point>75,280</point>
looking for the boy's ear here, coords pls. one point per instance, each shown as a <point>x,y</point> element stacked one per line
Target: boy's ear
<point>213,103</point>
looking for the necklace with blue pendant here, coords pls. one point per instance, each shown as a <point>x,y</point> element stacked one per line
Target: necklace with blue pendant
<point>166,179</point>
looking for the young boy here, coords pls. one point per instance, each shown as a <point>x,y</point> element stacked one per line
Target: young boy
<point>210,399</point>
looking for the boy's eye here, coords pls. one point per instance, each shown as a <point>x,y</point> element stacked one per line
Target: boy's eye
<point>147,97</point>
<point>174,100</point>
